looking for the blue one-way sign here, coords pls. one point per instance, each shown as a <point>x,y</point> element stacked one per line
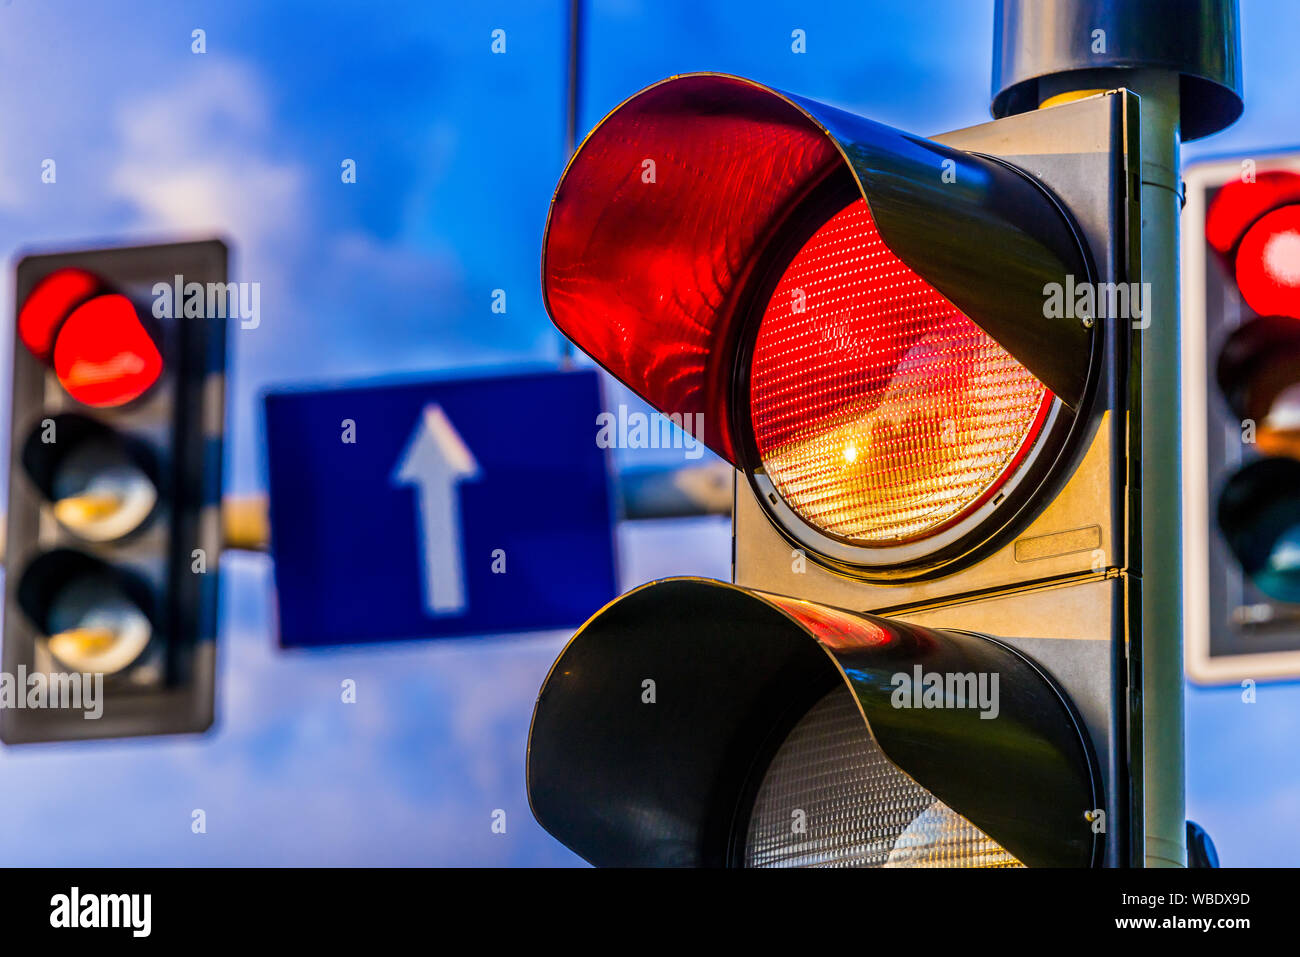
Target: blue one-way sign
<point>467,507</point>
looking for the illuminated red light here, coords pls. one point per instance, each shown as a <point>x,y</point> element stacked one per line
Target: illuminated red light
<point>1268,264</point>
<point>49,303</point>
<point>104,356</point>
<point>1239,203</point>
<point>881,412</point>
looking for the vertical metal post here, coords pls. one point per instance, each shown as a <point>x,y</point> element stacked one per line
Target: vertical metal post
<point>573,78</point>
<point>572,106</point>
<point>1162,776</point>
<point>1163,773</point>
<point>1183,61</point>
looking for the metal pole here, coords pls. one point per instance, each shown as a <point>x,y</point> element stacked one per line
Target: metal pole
<point>1163,775</point>
<point>572,106</point>
<point>1183,60</point>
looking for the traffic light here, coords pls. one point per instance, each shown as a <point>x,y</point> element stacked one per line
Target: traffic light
<point>113,531</point>
<point>1241,289</point>
<point>917,355</point>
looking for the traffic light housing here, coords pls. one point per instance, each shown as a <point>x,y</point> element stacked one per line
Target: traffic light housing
<point>1241,299</point>
<point>779,727</point>
<point>115,461</point>
<point>917,354</point>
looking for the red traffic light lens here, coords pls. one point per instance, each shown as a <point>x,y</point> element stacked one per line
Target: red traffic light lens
<point>1268,264</point>
<point>104,356</point>
<point>1240,202</point>
<point>881,412</point>
<point>49,303</point>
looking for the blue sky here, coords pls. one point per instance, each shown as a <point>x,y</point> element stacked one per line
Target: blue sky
<point>457,153</point>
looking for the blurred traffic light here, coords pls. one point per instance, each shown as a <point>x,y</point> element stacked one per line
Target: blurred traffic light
<point>911,351</point>
<point>113,536</point>
<point>1242,408</point>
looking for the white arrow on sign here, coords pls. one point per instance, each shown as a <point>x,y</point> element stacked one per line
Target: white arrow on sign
<point>436,461</point>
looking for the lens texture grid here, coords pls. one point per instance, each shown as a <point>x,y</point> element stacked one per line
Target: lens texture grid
<point>830,798</point>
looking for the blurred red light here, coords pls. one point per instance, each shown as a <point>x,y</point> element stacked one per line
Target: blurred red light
<point>1239,203</point>
<point>104,356</point>
<point>49,303</point>
<point>1268,264</point>
<point>881,412</point>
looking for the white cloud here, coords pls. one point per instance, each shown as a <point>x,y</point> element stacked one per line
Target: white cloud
<point>197,158</point>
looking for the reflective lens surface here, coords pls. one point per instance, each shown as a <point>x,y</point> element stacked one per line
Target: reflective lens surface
<point>95,628</point>
<point>99,492</point>
<point>1258,372</point>
<point>881,413</point>
<point>830,798</point>
<point>1259,515</point>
